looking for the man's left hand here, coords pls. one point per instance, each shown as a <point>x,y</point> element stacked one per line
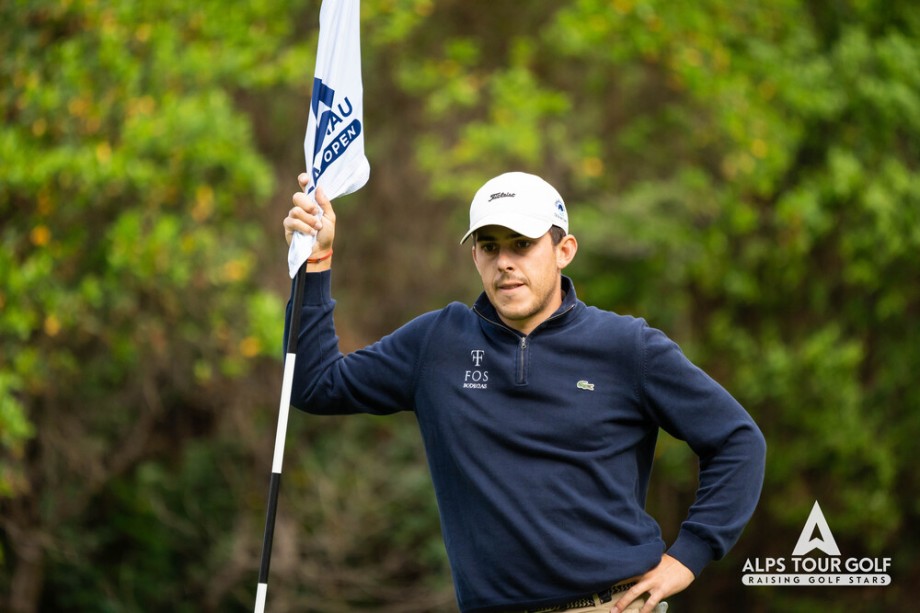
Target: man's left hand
<point>669,577</point>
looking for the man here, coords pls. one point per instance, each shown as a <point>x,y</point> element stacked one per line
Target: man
<point>539,417</point>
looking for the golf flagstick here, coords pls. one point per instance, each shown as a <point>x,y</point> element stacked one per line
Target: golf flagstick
<point>274,486</point>
<point>334,152</point>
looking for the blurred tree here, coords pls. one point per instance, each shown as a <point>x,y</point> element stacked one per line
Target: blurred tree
<point>127,279</point>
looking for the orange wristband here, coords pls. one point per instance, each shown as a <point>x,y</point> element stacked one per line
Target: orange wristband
<point>318,260</point>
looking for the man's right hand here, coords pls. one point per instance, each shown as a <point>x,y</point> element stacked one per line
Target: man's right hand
<point>304,217</point>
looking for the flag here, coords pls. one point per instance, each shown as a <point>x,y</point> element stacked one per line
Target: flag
<point>334,142</point>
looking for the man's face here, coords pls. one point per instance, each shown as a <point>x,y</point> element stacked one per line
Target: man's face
<point>520,275</point>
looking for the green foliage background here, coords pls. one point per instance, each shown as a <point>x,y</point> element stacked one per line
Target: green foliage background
<point>742,174</point>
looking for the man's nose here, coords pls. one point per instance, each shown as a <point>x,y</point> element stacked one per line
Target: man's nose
<point>504,261</point>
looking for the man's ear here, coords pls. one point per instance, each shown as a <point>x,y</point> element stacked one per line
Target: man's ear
<point>566,250</point>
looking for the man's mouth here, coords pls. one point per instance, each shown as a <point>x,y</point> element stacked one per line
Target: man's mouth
<point>509,286</point>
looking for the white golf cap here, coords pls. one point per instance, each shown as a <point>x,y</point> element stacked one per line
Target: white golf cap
<point>522,202</point>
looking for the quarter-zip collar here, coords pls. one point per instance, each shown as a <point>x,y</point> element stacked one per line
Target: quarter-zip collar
<point>566,310</point>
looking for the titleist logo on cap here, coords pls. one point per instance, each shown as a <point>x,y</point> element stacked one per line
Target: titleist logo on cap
<point>498,195</point>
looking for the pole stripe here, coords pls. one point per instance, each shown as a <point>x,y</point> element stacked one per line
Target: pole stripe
<point>273,487</point>
<point>261,593</point>
<point>283,410</point>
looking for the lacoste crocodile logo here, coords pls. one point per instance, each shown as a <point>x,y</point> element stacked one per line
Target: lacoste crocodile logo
<point>584,385</point>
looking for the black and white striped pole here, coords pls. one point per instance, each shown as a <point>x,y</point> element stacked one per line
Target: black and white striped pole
<point>284,408</point>
<point>336,121</point>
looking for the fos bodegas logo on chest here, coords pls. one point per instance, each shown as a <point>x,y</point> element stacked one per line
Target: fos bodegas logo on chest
<point>476,377</point>
<point>829,569</point>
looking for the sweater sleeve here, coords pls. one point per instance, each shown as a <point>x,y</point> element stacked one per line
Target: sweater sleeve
<point>693,407</point>
<point>379,379</point>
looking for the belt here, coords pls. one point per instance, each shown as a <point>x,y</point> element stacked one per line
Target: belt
<point>585,601</point>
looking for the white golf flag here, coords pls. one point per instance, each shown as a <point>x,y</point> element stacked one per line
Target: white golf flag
<point>334,143</point>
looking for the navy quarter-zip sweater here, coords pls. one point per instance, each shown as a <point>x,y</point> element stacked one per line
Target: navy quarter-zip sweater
<point>540,446</point>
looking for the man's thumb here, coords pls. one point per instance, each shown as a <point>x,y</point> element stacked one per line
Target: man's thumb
<point>324,203</point>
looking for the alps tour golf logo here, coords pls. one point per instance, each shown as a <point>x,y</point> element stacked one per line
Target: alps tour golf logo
<point>831,569</point>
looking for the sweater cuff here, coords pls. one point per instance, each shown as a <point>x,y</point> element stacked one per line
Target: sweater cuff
<point>318,288</point>
<point>691,551</point>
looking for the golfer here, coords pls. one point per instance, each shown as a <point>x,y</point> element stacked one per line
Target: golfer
<point>539,416</point>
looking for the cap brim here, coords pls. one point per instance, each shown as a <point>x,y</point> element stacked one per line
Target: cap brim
<point>529,227</point>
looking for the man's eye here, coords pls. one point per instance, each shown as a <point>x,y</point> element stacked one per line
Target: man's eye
<point>523,244</point>
<point>488,247</point>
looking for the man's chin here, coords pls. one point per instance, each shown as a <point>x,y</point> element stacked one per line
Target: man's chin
<point>513,315</point>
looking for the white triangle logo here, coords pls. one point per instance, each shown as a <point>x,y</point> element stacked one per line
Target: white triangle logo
<point>824,541</point>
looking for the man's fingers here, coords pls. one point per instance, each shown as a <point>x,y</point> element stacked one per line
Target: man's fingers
<point>628,597</point>
<point>306,210</point>
<point>650,604</point>
<point>324,202</point>
<point>298,221</point>
<point>669,577</point>
<point>303,201</point>
<point>311,214</point>
<point>303,217</point>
